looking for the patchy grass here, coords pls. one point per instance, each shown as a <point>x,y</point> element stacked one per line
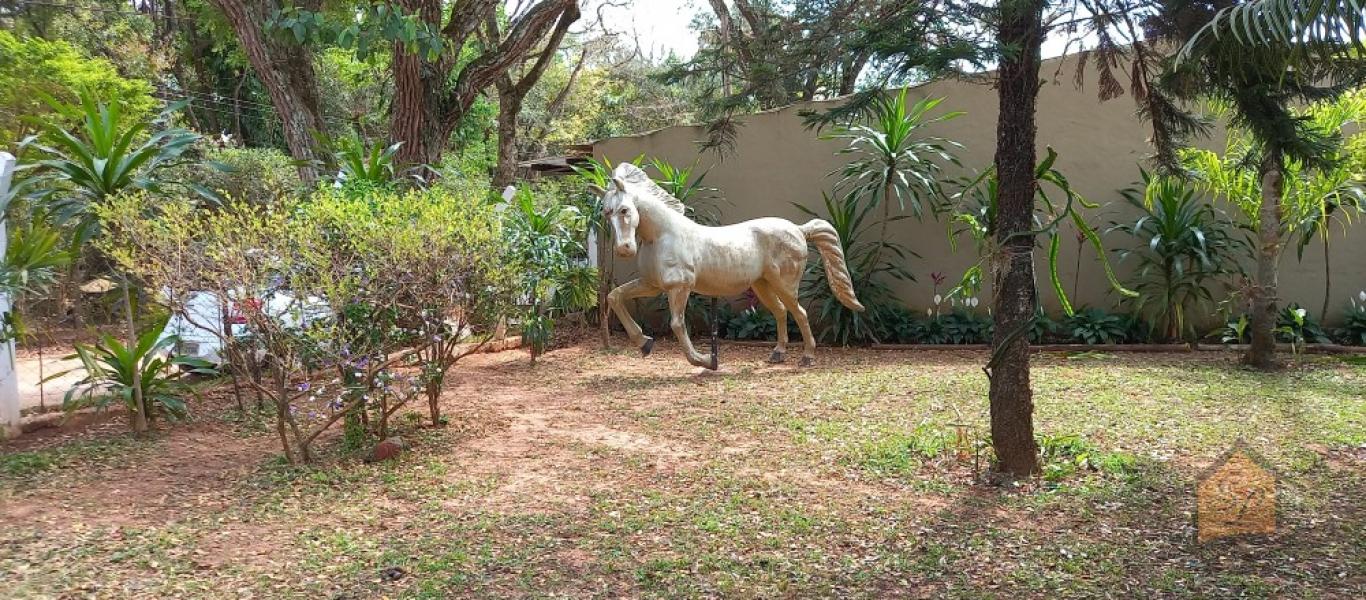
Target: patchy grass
<point>604,475</point>
<point>25,465</point>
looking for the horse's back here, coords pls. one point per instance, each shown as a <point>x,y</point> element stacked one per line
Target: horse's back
<point>731,257</point>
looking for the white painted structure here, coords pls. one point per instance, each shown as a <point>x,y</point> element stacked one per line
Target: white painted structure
<point>9,382</point>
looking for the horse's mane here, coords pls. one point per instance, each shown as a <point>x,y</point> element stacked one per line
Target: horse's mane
<point>632,174</point>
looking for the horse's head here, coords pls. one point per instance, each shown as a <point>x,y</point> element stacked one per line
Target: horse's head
<point>620,210</point>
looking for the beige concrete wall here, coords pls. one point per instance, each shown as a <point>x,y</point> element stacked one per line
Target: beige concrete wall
<point>777,162</point>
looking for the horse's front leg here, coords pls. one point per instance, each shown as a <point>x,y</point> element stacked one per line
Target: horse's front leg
<point>617,298</point>
<point>678,311</point>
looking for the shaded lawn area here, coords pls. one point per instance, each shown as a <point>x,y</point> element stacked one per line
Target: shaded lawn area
<point>603,474</point>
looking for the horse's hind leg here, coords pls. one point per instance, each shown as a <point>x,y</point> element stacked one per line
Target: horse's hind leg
<point>770,301</point>
<point>678,310</point>
<point>788,295</point>
<point>634,288</point>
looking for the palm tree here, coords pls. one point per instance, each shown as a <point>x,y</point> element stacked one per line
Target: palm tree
<point>1260,77</point>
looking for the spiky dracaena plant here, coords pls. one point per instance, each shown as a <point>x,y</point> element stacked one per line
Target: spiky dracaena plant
<point>1183,243</point>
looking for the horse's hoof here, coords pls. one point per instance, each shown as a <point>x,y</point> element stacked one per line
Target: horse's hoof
<point>777,357</point>
<point>647,347</point>
<point>807,361</point>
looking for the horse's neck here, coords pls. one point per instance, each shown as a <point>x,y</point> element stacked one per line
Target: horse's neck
<point>657,218</point>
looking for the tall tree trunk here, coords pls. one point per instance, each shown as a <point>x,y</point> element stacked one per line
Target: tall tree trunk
<point>509,106</point>
<point>1012,403</point>
<point>416,120</point>
<point>512,92</point>
<point>431,97</point>
<point>1261,353</point>
<point>286,71</point>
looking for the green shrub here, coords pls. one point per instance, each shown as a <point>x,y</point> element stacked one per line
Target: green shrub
<point>1066,455</point>
<point>1353,330</point>
<point>1095,326</point>
<point>253,175</point>
<point>1294,325</point>
<point>958,327</point>
<point>111,369</point>
<point>1183,245</point>
<point>753,323</point>
<point>898,325</point>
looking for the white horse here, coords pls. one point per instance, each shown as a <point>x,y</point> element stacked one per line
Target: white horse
<point>677,256</point>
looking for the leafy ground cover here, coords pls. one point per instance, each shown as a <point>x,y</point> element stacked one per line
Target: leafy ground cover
<point>603,474</point>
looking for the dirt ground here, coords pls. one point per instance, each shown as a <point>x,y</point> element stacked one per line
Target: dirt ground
<point>603,474</point>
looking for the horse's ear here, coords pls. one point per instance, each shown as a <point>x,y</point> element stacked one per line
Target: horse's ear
<point>597,191</point>
<point>620,183</point>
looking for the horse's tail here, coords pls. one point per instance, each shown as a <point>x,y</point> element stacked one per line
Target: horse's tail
<point>827,240</point>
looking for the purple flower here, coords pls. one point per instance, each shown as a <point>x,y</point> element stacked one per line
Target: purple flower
<point>303,387</point>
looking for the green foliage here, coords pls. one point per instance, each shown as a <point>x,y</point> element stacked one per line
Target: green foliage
<point>957,327</point>
<point>1315,193</point>
<point>111,367</point>
<point>751,323</point>
<point>385,291</point>
<point>33,258</point>
<point>892,158</point>
<point>371,28</point>
<point>902,451</point>
<point>544,241</point>
<point>1183,244</point>
<point>1353,330</point>
<point>898,325</point>
<point>355,92</point>
<point>365,163</point>
<point>685,184</point>
<point>1234,331</point>
<point>1095,326</point>
<point>260,176</point>
<point>974,210</point>
<point>32,68</point>
<point>1304,30</point>
<point>108,154</point>
<point>1295,326</point>
<point>961,326</point>
<point>1066,455</point>
<point>869,260</point>
<point>32,262</point>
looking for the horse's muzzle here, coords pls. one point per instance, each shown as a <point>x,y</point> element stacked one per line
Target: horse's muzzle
<point>626,251</point>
